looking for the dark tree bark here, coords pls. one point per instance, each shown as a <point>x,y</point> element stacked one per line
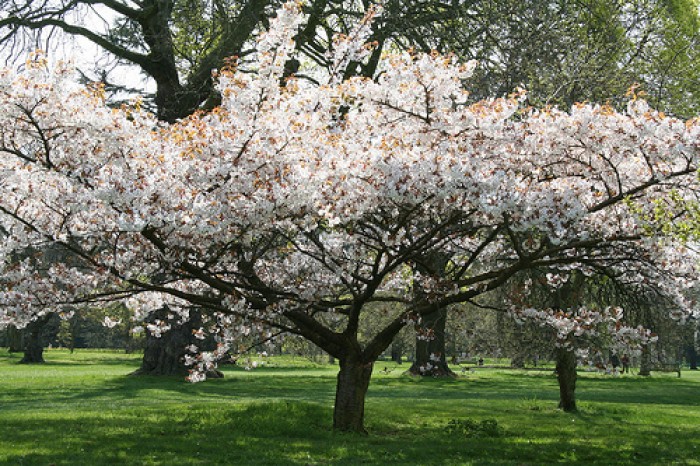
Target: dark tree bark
<point>174,99</point>
<point>351,389</point>
<point>356,363</point>
<point>430,342</point>
<point>33,343</point>
<point>396,352</point>
<point>165,355</point>
<point>567,295</point>
<point>430,350</point>
<point>566,376</point>
<point>692,356</point>
<point>151,45</point>
<point>518,361</point>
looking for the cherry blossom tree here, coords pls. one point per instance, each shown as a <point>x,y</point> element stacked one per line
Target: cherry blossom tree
<point>293,208</point>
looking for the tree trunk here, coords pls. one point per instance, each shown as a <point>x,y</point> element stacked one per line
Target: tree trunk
<point>353,381</point>
<point>566,375</point>
<point>33,344</point>
<point>396,352</point>
<point>518,360</point>
<point>566,296</point>
<point>430,353</point>
<point>692,355</point>
<point>430,357</point>
<point>73,329</point>
<point>645,362</point>
<point>15,339</point>
<point>694,342</point>
<point>692,359</point>
<point>165,355</point>
<point>175,100</point>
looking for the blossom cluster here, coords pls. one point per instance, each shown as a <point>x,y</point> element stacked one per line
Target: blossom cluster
<point>573,326</point>
<point>293,200</point>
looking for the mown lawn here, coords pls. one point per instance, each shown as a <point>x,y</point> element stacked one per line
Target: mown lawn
<point>82,409</point>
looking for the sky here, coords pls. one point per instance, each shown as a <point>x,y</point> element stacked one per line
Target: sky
<point>86,56</point>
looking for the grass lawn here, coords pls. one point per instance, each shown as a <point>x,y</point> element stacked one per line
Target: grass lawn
<point>82,409</point>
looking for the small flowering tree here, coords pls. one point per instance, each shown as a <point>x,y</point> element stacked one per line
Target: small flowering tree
<point>291,208</point>
<point>577,310</point>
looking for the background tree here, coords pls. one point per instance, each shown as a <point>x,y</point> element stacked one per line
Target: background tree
<point>692,333</point>
<point>562,51</point>
<point>179,43</point>
<point>142,34</point>
<point>565,52</point>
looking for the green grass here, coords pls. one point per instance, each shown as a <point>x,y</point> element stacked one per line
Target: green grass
<point>82,409</point>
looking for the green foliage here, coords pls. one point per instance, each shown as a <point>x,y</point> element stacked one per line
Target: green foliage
<point>82,409</point>
<point>671,65</point>
<point>198,28</point>
<point>86,329</point>
<point>673,216</point>
<point>564,52</point>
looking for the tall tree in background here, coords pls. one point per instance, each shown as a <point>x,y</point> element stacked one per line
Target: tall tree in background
<point>179,43</point>
<point>430,356</point>
<point>565,52</point>
<point>145,34</point>
<point>561,51</point>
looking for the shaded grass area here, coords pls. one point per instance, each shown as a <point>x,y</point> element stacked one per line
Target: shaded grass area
<point>82,409</point>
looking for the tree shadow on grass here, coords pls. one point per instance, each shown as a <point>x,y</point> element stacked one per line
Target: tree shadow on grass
<point>79,358</point>
<point>292,432</point>
<point>194,434</point>
<point>590,387</point>
<point>319,387</point>
<point>150,391</point>
<point>666,391</point>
